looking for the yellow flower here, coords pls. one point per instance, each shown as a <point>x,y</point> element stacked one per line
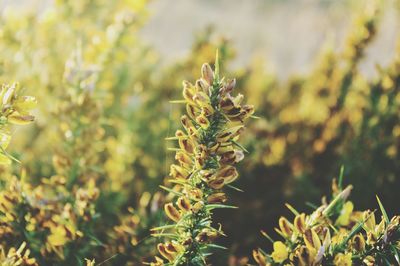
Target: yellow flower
<point>313,243</point>
<point>90,262</point>
<point>280,252</point>
<point>345,214</point>
<point>259,258</point>
<point>343,259</point>
<point>58,236</point>
<point>172,212</point>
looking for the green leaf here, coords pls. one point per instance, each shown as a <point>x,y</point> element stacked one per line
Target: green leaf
<point>240,146</point>
<point>267,236</point>
<point>171,191</point>
<point>355,230</point>
<point>168,226</point>
<point>165,235</point>
<point>96,240</point>
<point>395,254</point>
<point>311,205</point>
<point>9,155</point>
<point>108,259</point>
<point>338,199</point>
<point>220,206</point>
<point>385,216</point>
<point>293,210</point>
<point>234,188</point>
<point>340,184</point>
<point>215,246</point>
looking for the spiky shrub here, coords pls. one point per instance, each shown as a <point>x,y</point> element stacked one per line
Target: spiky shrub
<point>335,234</point>
<point>86,117</point>
<point>312,123</point>
<point>207,152</point>
<point>15,109</point>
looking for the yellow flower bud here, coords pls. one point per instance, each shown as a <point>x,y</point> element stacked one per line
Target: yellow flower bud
<point>188,91</point>
<point>183,204</point>
<point>197,206</point>
<point>178,172</point>
<point>300,223</point>
<point>312,241</point>
<point>358,243</point>
<point>369,261</point>
<point>192,110</point>
<point>162,250</point>
<point>228,173</point>
<point>259,258</point>
<point>216,183</point>
<point>207,73</point>
<point>184,159</point>
<point>304,257</point>
<point>203,121</point>
<point>172,212</point>
<point>219,197</point>
<point>17,119</point>
<point>285,227</point>
<point>230,133</point>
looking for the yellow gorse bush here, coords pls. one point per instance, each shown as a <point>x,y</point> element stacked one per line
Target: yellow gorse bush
<point>86,190</point>
<point>208,150</point>
<point>335,234</point>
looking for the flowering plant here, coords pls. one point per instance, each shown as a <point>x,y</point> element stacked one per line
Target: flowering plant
<point>208,150</point>
<point>335,234</point>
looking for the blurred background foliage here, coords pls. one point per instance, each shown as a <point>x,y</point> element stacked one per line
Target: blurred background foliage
<point>93,161</point>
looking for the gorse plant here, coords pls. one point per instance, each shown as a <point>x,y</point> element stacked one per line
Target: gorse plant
<point>207,152</point>
<point>86,188</point>
<point>15,109</point>
<point>335,234</point>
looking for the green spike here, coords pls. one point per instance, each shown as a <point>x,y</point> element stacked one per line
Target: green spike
<point>384,213</point>
<point>293,210</point>
<point>215,246</point>
<point>219,206</point>
<point>171,191</point>
<point>341,177</point>
<point>163,227</point>
<point>234,188</point>
<point>267,236</point>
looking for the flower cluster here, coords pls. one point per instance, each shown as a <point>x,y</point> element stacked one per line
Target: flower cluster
<point>17,257</point>
<point>335,234</point>
<point>207,152</point>
<point>43,212</point>
<point>15,109</point>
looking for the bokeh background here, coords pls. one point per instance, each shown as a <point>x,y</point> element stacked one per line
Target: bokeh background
<point>323,75</point>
